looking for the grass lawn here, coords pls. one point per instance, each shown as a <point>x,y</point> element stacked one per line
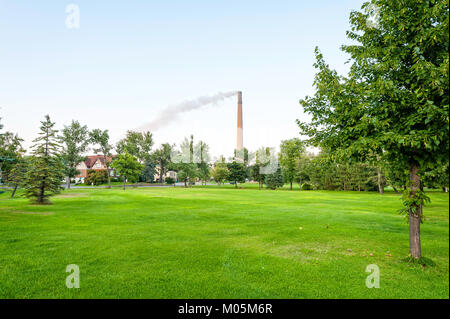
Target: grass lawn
<point>206,242</point>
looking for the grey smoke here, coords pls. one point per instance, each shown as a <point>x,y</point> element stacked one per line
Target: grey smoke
<point>171,113</point>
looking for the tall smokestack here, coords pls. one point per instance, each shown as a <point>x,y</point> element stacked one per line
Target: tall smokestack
<point>240,139</point>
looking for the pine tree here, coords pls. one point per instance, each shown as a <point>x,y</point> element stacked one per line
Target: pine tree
<point>275,180</point>
<point>45,173</point>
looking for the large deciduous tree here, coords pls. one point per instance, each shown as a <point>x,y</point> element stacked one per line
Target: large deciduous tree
<point>74,140</point>
<point>45,169</point>
<point>100,140</point>
<point>394,101</point>
<point>128,167</point>
<point>137,144</point>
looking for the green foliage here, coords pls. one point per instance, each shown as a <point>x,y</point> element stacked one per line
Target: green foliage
<point>136,144</point>
<point>237,172</point>
<point>274,180</point>
<point>74,140</point>
<point>394,103</point>
<point>307,187</point>
<point>186,172</point>
<point>128,167</point>
<point>162,157</point>
<point>219,172</point>
<point>170,181</point>
<point>290,154</point>
<point>100,140</point>
<point>11,152</point>
<point>412,203</point>
<point>96,177</point>
<point>45,169</point>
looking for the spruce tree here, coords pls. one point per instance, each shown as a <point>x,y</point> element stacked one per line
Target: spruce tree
<point>275,180</point>
<point>46,172</point>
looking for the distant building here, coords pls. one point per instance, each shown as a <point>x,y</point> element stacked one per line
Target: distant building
<point>93,162</point>
<point>171,174</point>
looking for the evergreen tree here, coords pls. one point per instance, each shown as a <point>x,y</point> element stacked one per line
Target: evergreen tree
<point>275,180</point>
<point>45,173</point>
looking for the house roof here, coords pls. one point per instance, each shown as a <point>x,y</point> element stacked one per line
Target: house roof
<point>90,160</point>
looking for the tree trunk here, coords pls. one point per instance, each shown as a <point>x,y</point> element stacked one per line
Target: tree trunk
<point>68,182</point>
<point>14,190</point>
<point>161,173</point>
<point>415,214</point>
<point>108,170</point>
<point>235,184</point>
<point>40,199</point>
<point>124,182</point>
<point>300,183</point>
<point>291,185</point>
<point>380,186</point>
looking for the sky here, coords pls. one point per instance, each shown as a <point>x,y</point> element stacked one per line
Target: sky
<point>128,60</point>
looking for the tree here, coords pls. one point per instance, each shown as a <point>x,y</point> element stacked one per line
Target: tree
<point>100,140</point>
<point>290,153</point>
<point>16,176</point>
<point>237,173</point>
<point>162,157</point>
<point>186,172</point>
<point>275,180</point>
<point>137,144</point>
<point>45,170</point>
<point>185,161</point>
<point>140,146</point>
<point>75,141</point>
<point>202,157</point>
<point>220,172</point>
<point>128,167</point>
<point>12,163</point>
<point>302,169</point>
<point>394,101</point>
<point>11,152</point>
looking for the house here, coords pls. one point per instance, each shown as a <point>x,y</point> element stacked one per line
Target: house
<point>171,174</point>
<point>93,162</point>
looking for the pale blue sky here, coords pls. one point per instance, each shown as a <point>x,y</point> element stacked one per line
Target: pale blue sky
<point>130,59</point>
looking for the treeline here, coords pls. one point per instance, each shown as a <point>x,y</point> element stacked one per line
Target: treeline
<point>55,156</point>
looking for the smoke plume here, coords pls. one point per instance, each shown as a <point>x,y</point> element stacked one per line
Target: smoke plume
<point>171,113</point>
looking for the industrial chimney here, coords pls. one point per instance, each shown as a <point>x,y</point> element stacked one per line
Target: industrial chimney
<point>240,140</point>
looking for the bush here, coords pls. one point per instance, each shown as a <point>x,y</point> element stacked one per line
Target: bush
<point>96,177</point>
<point>275,180</point>
<point>170,181</point>
<point>307,187</point>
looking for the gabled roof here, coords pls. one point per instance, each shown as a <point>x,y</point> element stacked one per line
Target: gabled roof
<point>90,160</point>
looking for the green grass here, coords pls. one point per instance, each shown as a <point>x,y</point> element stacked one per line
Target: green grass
<point>206,242</point>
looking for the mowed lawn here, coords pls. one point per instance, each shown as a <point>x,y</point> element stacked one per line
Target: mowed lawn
<point>210,242</point>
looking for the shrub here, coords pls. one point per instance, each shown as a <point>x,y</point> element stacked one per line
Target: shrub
<point>307,187</point>
<point>170,180</point>
<point>96,177</point>
<point>275,180</point>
